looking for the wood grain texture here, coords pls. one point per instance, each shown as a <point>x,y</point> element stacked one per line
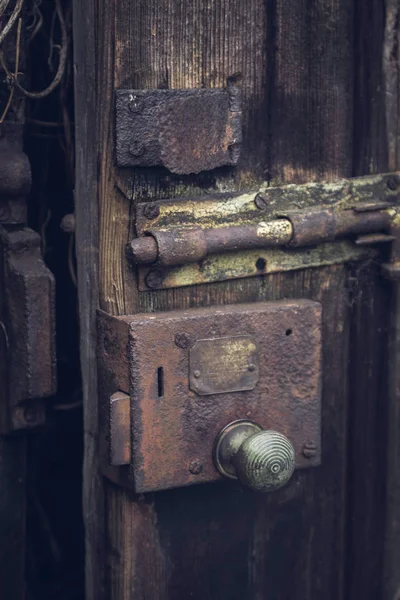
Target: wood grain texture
<point>310,58</point>
<point>391,78</point>
<point>295,62</point>
<point>87,244</point>
<point>367,427</point>
<point>371,296</point>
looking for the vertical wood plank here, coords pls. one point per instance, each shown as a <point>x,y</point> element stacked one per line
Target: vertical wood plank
<point>371,297</point>
<point>311,97</point>
<point>87,243</point>
<point>391,73</point>
<point>311,112</point>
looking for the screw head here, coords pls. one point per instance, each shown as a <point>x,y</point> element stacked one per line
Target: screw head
<point>136,148</point>
<point>393,183</point>
<point>261,200</point>
<point>182,340</point>
<point>135,104</point>
<point>196,374</point>
<point>309,449</point>
<point>251,368</point>
<point>68,223</point>
<point>30,414</point>
<point>151,211</point>
<point>154,278</point>
<point>195,467</point>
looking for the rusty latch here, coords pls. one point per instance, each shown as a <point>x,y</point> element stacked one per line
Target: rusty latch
<point>198,240</point>
<point>178,246</point>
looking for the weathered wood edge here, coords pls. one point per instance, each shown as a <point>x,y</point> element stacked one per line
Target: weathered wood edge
<point>86,208</point>
<point>391,75</point>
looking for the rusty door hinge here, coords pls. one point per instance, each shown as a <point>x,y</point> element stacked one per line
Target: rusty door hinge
<point>184,242</point>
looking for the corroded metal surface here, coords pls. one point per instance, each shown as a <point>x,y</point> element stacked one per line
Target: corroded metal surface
<point>186,131</point>
<point>321,224</point>
<point>27,321</point>
<point>15,172</point>
<point>315,213</point>
<point>185,245</point>
<point>223,211</point>
<point>251,263</point>
<point>227,364</point>
<point>299,228</point>
<point>173,428</point>
<point>120,429</point>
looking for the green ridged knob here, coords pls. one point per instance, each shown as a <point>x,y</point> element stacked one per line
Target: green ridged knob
<point>263,460</point>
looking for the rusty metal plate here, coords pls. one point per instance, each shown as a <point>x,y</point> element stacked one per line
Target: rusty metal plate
<point>186,131</point>
<point>120,429</point>
<point>252,263</point>
<point>173,428</point>
<point>221,365</point>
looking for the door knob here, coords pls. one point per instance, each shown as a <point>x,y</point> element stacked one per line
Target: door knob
<point>263,460</point>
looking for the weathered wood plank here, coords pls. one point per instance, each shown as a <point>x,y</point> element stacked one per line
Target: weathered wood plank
<point>87,244</point>
<point>370,322</point>
<point>311,99</point>
<point>391,78</point>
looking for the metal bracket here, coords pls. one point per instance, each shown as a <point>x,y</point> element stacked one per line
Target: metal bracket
<point>186,242</point>
<point>186,131</point>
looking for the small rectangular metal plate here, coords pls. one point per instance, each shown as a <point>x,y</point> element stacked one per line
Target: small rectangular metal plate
<point>120,429</point>
<point>221,365</point>
<point>173,428</point>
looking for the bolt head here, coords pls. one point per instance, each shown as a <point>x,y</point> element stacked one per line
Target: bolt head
<point>309,449</point>
<point>30,414</point>
<point>154,278</point>
<point>135,104</point>
<point>261,200</point>
<point>136,148</point>
<point>195,467</point>
<point>68,223</point>
<point>151,211</point>
<point>393,182</point>
<point>182,340</point>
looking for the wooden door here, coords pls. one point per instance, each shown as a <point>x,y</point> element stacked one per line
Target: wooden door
<point>320,90</point>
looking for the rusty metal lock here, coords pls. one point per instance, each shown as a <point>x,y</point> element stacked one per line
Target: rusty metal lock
<point>170,382</point>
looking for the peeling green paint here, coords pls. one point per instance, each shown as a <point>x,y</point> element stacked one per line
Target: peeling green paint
<point>211,211</point>
<point>249,263</point>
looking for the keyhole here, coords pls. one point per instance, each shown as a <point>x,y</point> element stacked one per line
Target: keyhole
<point>160,382</point>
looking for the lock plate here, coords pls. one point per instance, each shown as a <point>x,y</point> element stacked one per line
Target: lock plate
<point>153,357</point>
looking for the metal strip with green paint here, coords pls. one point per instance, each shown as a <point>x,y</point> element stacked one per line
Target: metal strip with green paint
<point>224,211</point>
